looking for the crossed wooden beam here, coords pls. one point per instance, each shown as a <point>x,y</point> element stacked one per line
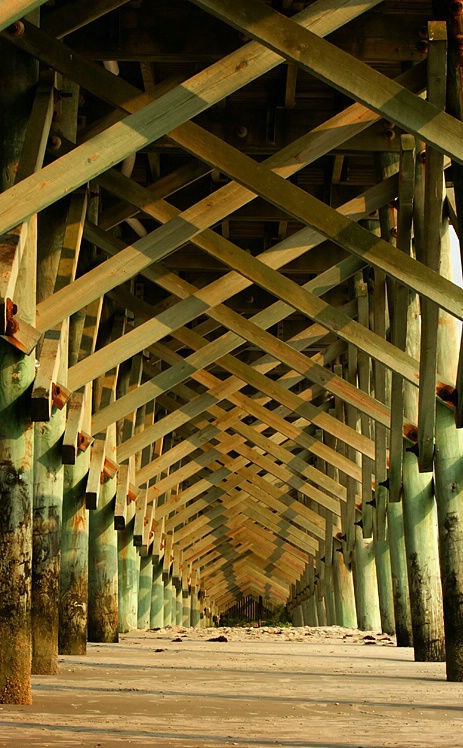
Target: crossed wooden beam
<point>239,501</point>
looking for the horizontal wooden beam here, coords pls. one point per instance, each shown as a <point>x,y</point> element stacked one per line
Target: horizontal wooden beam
<point>12,10</point>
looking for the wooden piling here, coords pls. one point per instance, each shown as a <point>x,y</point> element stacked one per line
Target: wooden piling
<point>419,506</point>
<point>384,580</point>
<point>195,609</point>
<point>145,583</point>
<point>168,596</point>
<point>127,574</point>
<point>365,583</point>
<point>179,603</point>
<point>186,608</point>
<point>157,598</point>
<point>73,599</point>
<point>399,574</point>
<point>448,472</point>
<point>19,74</point>
<point>60,234</point>
<point>344,590</point>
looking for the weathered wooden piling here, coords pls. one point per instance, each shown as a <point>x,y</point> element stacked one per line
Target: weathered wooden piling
<point>344,590</point>
<point>16,430</point>
<point>365,583</point>
<point>399,574</point>
<point>419,506</point>
<point>157,597</point>
<point>449,440</point>
<point>145,583</point>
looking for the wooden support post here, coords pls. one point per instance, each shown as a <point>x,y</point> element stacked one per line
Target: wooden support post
<point>399,574</point>
<point>73,603</point>
<point>73,600</point>
<point>433,207</point>
<point>157,597</point>
<point>195,616</point>
<point>312,598</point>
<point>103,563</point>
<point>19,74</point>
<point>449,479</point>
<point>364,382</point>
<point>167,579</point>
<point>420,518</point>
<point>384,578</point>
<point>186,608</point>
<point>178,603</point>
<point>128,559</point>
<point>54,271</point>
<point>103,555</point>
<point>320,591</point>
<point>12,10</point>
<point>330,605</point>
<point>328,549</point>
<point>453,13</point>
<point>312,611</point>
<point>145,584</point>
<point>379,313</point>
<point>47,516</point>
<point>399,296</point>
<point>343,590</point>
<point>365,584</point>
<point>167,614</point>
<point>127,574</point>
<point>449,489</point>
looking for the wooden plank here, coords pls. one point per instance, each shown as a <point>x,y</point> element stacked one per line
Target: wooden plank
<point>153,121</point>
<point>325,61</point>
<point>433,205</point>
<point>11,10</point>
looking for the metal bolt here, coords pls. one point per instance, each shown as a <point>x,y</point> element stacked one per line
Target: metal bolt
<point>16,29</point>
